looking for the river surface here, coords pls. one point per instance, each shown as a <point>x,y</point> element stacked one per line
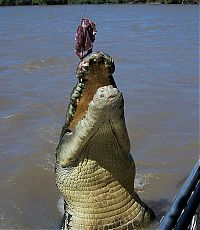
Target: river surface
<point>155,48</point>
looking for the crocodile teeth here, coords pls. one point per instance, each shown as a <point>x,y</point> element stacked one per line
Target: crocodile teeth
<point>79,89</point>
<point>81,85</point>
<point>75,94</point>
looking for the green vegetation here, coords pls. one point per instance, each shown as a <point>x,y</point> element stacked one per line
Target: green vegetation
<point>32,2</point>
<point>60,2</point>
<point>133,1</point>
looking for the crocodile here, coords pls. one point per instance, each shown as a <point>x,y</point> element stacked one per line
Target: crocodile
<point>94,169</point>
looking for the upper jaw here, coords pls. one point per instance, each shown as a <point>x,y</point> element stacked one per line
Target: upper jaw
<point>93,72</point>
<point>98,57</point>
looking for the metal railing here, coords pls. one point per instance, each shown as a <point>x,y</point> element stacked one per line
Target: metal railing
<point>185,205</point>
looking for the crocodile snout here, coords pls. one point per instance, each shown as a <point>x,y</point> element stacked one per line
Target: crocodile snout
<point>107,93</point>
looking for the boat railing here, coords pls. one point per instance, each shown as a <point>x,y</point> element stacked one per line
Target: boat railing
<point>183,211</point>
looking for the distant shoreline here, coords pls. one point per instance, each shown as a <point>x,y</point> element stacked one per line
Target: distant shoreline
<point>76,2</point>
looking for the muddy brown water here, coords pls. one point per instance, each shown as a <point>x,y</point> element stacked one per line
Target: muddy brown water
<point>155,49</point>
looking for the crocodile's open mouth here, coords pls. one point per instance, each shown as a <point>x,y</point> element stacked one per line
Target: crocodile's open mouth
<point>93,72</point>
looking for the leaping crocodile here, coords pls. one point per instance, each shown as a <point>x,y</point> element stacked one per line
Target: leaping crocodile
<point>95,171</point>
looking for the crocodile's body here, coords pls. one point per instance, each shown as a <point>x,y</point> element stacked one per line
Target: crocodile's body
<point>94,169</point>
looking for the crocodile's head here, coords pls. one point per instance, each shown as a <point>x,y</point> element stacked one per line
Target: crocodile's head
<point>94,169</point>
<point>93,72</point>
<point>95,93</point>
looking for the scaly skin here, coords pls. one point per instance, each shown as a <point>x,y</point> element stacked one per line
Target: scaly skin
<point>94,169</point>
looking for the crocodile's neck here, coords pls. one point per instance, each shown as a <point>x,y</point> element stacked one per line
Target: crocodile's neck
<point>96,191</point>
